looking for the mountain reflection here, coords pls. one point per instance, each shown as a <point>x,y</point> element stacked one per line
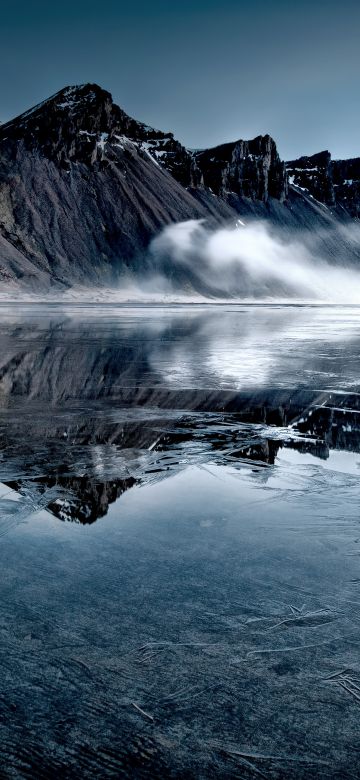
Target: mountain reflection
<point>94,405</point>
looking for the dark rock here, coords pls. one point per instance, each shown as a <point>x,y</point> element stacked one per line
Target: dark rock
<point>81,196</point>
<point>84,188</point>
<point>250,169</point>
<point>346,182</point>
<point>313,174</point>
<point>333,182</point>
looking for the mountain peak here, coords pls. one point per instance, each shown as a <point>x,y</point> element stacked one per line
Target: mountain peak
<point>81,123</point>
<point>75,100</point>
<point>69,125</point>
<point>251,169</point>
<point>70,97</point>
<point>75,96</point>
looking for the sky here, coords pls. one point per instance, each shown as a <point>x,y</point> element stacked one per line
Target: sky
<point>208,71</point>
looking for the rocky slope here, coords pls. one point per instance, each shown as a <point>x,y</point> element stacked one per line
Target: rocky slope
<point>78,197</point>
<point>333,182</point>
<point>252,169</point>
<point>84,188</point>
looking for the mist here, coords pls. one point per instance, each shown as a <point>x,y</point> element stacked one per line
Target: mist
<point>249,262</point>
<point>192,262</point>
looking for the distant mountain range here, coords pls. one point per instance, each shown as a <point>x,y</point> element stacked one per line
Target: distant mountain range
<point>84,188</point>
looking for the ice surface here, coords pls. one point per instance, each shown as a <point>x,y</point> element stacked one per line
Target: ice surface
<point>180,590</point>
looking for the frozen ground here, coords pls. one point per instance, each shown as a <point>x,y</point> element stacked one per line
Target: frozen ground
<point>180,542</point>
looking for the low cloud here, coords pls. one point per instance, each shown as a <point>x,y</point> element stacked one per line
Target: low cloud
<point>249,262</point>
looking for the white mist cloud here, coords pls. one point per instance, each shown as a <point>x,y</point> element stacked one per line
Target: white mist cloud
<point>251,262</point>
<point>191,262</point>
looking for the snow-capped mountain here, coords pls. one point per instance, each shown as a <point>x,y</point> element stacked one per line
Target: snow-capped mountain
<point>84,188</point>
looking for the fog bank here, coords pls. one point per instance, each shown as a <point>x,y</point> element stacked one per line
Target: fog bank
<point>251,262</point>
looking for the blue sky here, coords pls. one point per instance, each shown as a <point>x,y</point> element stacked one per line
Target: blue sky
<point>206,70</point>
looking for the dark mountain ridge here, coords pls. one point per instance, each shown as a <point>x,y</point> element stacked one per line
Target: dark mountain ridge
<point>84,188</point>
<point>333,182</point>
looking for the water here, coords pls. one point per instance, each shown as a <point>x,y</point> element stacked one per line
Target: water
<point>180,542</point>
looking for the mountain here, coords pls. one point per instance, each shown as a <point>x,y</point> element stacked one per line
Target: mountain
<point>333,182</point>
<point>84,188</point>
<point>78,197</point>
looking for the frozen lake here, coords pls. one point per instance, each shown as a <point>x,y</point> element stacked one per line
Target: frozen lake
<point>180,542</point>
